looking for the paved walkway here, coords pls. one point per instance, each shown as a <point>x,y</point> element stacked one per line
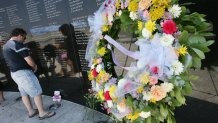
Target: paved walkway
<point>202,106</point>
<point>12,111</point>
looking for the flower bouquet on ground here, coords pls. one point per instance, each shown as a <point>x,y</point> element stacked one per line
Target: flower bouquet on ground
<point>170,41</point>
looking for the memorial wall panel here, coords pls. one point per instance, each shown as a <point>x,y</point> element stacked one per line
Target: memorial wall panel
<point>58,33</point>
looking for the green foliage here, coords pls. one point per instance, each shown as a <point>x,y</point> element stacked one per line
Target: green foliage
<point>195,31</point>
<point>91,101</point>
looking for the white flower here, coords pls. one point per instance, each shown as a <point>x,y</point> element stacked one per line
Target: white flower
<point>95,86</point>
<point>122,83</point>
<point>93,66</point>
<point>146,95</point>
<point>121,109</point>
<point>167,86</point>
<point>167,40</point>
<point>120,13</point>
<point>145,114</point>
<point>99,67</point>
<point>146,33</point>
<point>110,103</point>
<point>133,15</point>
<point>110,18</point>
<point>175,10</point>
<point>177,67</point>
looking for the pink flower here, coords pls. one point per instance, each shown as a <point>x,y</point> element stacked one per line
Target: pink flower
<point>169,27</point>
<point>155,70</point>
<point>127,86</point>
<point>94,72</point>
<point>106,77</point>
<point>107,95</point>
<point>145,14</point>
<point>153,80</point>
<point>167,15</point>
<point>99,60</point>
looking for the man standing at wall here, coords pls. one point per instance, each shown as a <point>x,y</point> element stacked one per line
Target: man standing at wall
<point>22,66</point>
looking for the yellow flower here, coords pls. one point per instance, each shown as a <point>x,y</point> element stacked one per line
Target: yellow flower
<point>140,25</point>
<point>150,26</point>
<point>105,77</point>
<point>117,14</point>
<point>156,13</point>
<point>153,100</point>
<point>100,95</point>
<point>101,51</point>
<point>133,6</point>
<point>140,89</point>
<point>132,117</point>
<point>94,61</point>
<point>161,3</point>
<point>90,76</point>
<point>97,43</point>
<point>118,4</point>
<point>105,28</point>
<point>115,100</point>
<point>182,50</point>
<point>112,90</point>
<point>144,78</point>
<point>100,76</point>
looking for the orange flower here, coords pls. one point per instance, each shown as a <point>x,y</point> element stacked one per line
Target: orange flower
<point>157,92</point>
<point>144,4</point>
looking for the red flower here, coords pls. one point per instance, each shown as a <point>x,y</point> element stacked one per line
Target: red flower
<point>94,73</point>
<point>155,70</point>
<point>169,27</point>
<point>107,95</point>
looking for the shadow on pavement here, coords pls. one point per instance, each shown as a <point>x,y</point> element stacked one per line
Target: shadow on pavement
<point>197,111</point>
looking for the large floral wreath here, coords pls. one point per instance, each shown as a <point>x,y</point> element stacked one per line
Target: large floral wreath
<point>171,41</point>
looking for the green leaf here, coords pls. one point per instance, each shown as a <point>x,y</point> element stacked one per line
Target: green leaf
<point>171,119</point>
<point>193,77</point>
<point>148,120</point>
<point>199,53</point>
<point>206,34</point>
<point>183,38</point>
<point>210,42</point>
<point>203,47</point>
<point>204,27</point>
<point>125,20</point>
<point>190,28</point>
<point>163,110</point>
<point>176,103</point>
<point>194,39</point>
<point>147,108</point>
<point>188,88</point>
<point>179,96</point>
<point>129,101</point>
<point>196,62</point>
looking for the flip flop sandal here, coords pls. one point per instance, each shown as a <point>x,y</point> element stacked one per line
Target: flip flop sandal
<point>49,114</point>
<point>34,114</point>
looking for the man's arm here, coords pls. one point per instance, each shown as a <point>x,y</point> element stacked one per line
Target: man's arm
<point>31,63</point>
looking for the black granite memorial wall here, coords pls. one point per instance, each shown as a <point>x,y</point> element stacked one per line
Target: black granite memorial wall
<point>57,37</point>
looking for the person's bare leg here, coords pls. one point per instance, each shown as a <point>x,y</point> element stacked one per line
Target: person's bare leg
<point>2,96</point>
<point>28,104</point>
<point>39,105</point>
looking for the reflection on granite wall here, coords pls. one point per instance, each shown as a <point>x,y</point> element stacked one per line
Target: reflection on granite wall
<point>57,37</point>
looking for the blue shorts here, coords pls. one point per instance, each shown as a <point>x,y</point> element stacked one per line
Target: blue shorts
<point>28,83</point>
